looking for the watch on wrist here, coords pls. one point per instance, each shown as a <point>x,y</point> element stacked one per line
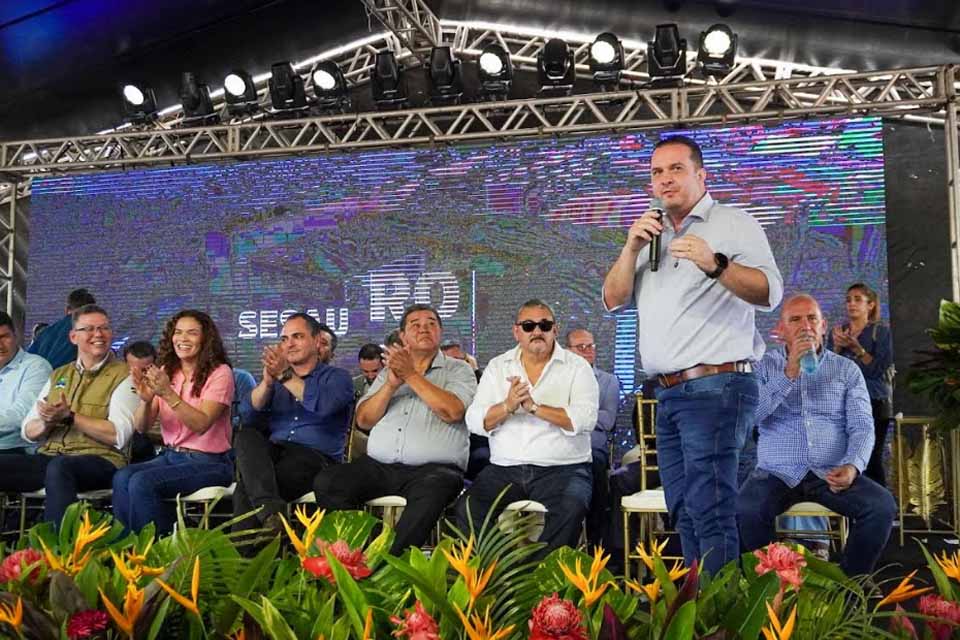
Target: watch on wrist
<point>534,407</point>
<point>722,263</point>
<point>286,375</point>
<point>69,419</point>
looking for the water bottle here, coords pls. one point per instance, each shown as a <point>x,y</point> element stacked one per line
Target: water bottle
<point>809,362</point>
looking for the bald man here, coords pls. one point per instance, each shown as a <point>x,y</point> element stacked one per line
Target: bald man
<point>816,435</point>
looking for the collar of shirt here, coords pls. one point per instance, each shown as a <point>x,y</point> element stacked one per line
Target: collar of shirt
<point>81,369</point>
<point>559,354</point>
<point>15,362</point>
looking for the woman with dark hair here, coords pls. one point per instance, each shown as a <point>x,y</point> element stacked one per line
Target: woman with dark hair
<point>867,342</point>
<point>190,389</point>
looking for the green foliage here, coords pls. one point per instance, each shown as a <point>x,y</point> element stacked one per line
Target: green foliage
<point>936,376</point>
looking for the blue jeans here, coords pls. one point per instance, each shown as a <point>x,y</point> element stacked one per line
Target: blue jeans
<point>563,489</point>
<point>141,492</point>
<point>62,477</point>
<point>701,427</point>
<point>870,508</point>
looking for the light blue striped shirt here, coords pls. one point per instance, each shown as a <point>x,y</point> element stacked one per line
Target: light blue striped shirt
<point>815,422</point>
<point>21,381</point>
<point>686,318</point>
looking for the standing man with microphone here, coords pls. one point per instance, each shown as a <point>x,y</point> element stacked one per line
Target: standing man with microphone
<point>696,332</point>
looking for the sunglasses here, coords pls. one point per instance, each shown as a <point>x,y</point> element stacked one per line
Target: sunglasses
<point>529,325</point>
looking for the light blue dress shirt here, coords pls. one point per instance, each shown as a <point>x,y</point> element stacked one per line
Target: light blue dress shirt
<point>607,413</point>
<point>21,381</point>
<point>686,318</point>
<point>814,422</point>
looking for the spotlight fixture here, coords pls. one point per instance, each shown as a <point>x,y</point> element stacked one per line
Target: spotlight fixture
<point>139,104</point>
<point>555,67</point>
<point>447,85</point>
<point>496,72</point>
<point>329,86</point>
<point>667,56</point>
<point>195,100</point>
<point>387,82</point>
<point>718,50</point>
<point>287,94</point>
<point>606,59</point>
<point>240,93</point>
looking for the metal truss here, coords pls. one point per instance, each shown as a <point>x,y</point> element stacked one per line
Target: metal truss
<point>410,21</point>
<point>415,26</point>
<point>894,93</point>
<point>11,193</point>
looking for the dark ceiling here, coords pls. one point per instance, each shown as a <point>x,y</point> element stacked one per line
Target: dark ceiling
<point>61,61</point>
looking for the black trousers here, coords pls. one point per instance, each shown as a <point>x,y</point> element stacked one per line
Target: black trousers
<point>271,474</point>
<point>881,422</point>
<point>428,488</point>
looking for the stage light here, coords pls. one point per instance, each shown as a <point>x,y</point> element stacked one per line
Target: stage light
<point>240,93</point>
<point>667,56</point>
<point>387,82</point>
<point>195,100</point>
<point>139,104</point>
<point>718,50</point>
<point>445,76</point>
<point>287,94</point>
<point>496,72</point>
<point>329,86</point>
<point>555,67</point>
<point>606,59</point>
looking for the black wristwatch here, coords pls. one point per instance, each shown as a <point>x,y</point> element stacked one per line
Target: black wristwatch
<point>68,421</point>
<point>722,263</point>
<point>286,375</point>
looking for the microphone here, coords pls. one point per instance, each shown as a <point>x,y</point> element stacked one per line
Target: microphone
<point>656,205</point>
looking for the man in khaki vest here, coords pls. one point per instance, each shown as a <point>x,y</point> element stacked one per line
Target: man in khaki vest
<point>82,421</point>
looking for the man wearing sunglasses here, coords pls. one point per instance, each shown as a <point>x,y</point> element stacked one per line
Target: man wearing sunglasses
<point>537,403</point>
<point>696,333</point>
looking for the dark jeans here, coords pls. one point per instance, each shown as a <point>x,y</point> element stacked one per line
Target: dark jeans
<point>563,489</point>
<point>271,474</point>
<point>870,508</point>
<point>881,423</point>
<point>701,427</point>
<point>428,488</point>
<point>63,477</point>
<point>144,492</point>
<point>598,516</point>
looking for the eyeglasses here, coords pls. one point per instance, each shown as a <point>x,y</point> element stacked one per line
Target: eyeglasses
<point>529,325</point>
<point>94,330</point>
<point>584,347</point>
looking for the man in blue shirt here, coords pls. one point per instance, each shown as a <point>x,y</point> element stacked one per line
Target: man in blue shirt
<point>816,434</point>
<point>696,333</point>
<point>22,376</point>
<point>54,343</point>
<point>295,422</point>
<point>581,342</point>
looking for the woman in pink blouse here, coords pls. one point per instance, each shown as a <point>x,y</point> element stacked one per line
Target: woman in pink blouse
<point>191,391</point>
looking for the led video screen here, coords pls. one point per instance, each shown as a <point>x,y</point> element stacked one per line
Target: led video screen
<point>473,229</point>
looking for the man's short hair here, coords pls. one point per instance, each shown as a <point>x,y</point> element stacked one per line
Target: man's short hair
<point>314,326</point>
<point>139,349</point>
<point>7,321</point>
<point>570,333</point>
<point>79,298</point>
<point>535,303</point>
<point>86,309</point>
<point>393,338</point>
<point>695,153</point>
<point>370,351</point>
<point>449,344</point>
<point>418,307</point>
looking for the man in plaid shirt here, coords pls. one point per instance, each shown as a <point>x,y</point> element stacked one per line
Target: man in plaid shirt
<point>816,435</point>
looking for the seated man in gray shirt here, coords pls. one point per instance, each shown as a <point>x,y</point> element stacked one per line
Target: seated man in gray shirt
<point>418,445</point>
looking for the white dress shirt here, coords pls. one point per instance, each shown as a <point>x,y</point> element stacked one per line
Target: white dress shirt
<point>567,383</point>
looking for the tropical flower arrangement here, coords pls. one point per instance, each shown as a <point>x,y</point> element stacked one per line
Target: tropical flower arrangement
<point>332,578</point>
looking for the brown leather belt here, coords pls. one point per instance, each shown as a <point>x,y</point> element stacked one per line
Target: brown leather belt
<point>668,380</point>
